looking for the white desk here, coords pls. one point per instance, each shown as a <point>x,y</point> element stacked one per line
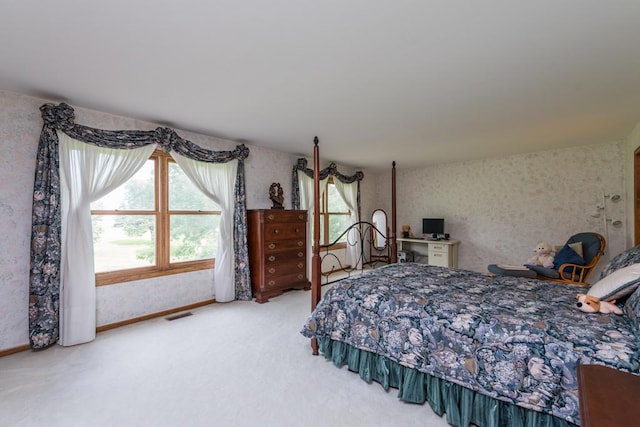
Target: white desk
<point>443,253</point>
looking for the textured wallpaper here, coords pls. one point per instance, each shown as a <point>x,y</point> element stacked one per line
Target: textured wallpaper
<point>501,208</point>
<point>19,132</point>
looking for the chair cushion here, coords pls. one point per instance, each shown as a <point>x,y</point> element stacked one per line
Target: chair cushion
<point>618,284</point>
<point>567,256</point>
<point>517,271</point>
<point>542,271</point>
<point>591,245</point>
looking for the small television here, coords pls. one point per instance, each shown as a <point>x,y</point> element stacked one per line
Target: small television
<point>431,226</point>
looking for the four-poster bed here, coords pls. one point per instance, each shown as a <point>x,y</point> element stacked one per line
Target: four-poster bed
<point>488,350</point>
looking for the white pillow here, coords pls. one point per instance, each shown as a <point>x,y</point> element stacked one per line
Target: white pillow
<point>618,284</point>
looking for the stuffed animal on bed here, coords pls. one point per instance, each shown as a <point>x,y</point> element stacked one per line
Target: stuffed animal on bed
<point>591,304</point>
<point>544,255</point>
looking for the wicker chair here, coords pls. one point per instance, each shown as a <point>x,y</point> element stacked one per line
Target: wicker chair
<point>593,245</point>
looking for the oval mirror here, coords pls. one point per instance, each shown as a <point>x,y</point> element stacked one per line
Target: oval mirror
<point>379,221</point>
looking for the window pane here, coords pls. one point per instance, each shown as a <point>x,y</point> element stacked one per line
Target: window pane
<point>193,237</point>
<point>184,195</point>
<point>337,225</point>
<point>322,242</point>
<point>123,241</point>
<point>137,193</point>
<point>334,201</point>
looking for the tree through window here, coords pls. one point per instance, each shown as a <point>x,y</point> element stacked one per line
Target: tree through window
<point>157,223</point>
<point>335,216</point>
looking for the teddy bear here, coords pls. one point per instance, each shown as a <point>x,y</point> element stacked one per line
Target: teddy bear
<point>544,255</point>
<point>406,231</point>
<point>591,304</point>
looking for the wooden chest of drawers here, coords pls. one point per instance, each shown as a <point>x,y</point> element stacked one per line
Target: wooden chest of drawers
<point>277,251</point>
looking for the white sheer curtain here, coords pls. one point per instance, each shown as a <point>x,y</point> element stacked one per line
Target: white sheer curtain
<point>217,181</point>
<point>349,193</point>
<point>87,173</point>
<point>306,203</point>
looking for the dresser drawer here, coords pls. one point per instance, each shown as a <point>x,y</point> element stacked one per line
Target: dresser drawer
<point>276,246</point>
<point>284,281</point>
<point>284,257</point>
<point>284,269</point>
<point>282,231</point>
<point>285,217</point>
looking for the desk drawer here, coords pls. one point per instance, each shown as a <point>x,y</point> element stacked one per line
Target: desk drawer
<point>439,258</point>
<point>438,247</point>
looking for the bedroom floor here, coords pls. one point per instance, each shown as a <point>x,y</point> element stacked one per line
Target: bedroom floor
<point>234,364</point>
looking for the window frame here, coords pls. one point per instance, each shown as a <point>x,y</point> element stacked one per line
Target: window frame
<point>162,215</point>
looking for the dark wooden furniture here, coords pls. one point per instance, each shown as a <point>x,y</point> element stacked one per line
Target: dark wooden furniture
<point>277,251</point>
<point>608,398</point>
<point>316,259</point>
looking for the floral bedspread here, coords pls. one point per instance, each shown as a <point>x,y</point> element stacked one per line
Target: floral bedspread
<point>514,339</point>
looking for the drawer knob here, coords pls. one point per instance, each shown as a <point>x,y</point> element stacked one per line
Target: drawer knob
<point>300,276</point>
<point>271,282</point>
<point>300,265</point>
<point>271,217</point>
<point>300,216</point>
<point>272,245</point>
<point>300,254</point>
<point>276,231</point>
<point>297,230</point>
<point>272,258</point>
<point>300,243</point>
<point>272,270</point>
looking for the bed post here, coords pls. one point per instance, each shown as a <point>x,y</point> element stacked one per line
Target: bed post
<point>315,259</point>
<point>394,244</point>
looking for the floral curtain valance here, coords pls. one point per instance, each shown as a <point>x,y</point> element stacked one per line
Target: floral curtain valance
<point>61,117</point>
<point>44,284</point>
<point>331,170</point>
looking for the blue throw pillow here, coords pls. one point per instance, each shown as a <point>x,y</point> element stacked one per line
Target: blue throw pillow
<point>566,255</point>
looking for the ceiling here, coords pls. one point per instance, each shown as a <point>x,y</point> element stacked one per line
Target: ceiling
<point>419,82</point>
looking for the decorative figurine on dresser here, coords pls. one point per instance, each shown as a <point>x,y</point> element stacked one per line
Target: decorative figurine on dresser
<point>277,241</point>
<point>276,195</point>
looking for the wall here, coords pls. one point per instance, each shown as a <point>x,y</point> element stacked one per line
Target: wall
<point>500,208</point>
<point>20,125</point>
<point>19,132</point>
<point>632,143</point>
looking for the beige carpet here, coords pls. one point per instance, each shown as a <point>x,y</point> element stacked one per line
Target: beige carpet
<point>234,364</point>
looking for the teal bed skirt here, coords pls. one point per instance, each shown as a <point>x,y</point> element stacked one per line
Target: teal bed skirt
<point>460,405</point>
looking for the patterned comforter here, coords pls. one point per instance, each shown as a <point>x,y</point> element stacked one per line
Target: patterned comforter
<point>514,339</point>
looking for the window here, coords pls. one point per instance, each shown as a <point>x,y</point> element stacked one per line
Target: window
<point>334,216</point>
<point>157,223</point>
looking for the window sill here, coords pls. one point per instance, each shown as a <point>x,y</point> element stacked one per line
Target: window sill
<point>112,278</point>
